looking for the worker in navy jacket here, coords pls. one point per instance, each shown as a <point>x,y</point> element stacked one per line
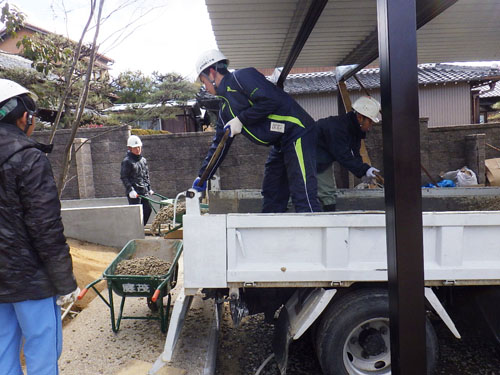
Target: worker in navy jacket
<point>339,139</point>
<point>266,115</point>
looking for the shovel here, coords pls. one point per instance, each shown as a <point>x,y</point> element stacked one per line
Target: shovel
<point>213,159</point>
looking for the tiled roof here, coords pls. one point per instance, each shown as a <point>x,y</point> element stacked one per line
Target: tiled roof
<point>10,61</point>
<point>486,93</point>
<point>370,78</point>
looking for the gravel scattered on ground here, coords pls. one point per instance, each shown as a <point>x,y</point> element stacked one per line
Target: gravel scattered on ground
<point>243,349</point>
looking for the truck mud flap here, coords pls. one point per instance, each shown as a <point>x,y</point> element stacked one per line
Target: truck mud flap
<point>488,302</point>
<point>298,314</point>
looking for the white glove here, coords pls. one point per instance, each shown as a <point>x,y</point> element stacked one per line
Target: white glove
<point>371,172</point>
<point>68,298</point>
<point>132,194</point>
<point>151,192</point>
<point>235,126</point>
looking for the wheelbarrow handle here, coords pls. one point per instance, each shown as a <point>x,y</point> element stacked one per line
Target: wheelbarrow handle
<point>155,295</point>
<point>86,289</point>
<point>214,158</point>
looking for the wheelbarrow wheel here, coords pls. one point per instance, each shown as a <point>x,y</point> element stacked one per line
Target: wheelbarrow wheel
<point>154,306</point>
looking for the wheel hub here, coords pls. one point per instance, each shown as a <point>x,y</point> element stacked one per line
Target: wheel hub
<point>372,342</point>
<point>366,351</point>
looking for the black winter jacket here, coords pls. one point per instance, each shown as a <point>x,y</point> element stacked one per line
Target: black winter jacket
<point>339,139</point>
<point>35,262</point>
<point>135,174</point>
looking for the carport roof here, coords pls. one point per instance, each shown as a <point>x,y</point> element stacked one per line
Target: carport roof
<point>263,33</point>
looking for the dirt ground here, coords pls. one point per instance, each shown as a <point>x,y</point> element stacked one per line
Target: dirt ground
<point>89,262</point>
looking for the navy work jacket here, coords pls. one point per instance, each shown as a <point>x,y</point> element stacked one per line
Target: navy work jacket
<point>270,116</point>
<point>339,139</point>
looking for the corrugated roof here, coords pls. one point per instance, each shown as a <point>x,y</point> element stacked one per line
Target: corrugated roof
<point>261,33</point>
<point>370,78</point>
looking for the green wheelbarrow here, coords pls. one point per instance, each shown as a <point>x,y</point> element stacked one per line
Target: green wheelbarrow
<point>164,202</point>
<point>153,287</point>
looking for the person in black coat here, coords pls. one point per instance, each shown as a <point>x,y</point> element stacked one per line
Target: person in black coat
<point>339,139</point>
<point>36,271</point>
<point>134,174</point>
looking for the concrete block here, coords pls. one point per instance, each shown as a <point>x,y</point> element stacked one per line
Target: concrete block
<point>107,225</point>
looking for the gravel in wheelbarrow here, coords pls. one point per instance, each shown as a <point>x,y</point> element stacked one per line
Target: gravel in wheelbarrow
<point>150,268</point>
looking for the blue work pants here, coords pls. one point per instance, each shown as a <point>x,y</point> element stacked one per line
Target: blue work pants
<point>39,323</point>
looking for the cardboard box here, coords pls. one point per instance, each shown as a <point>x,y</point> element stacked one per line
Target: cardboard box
<point>493,171</point>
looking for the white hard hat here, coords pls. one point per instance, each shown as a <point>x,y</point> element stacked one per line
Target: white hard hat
<point>10,89</point>
<point>369,107</point>
<point>134,141</point>
<point>209,58</point>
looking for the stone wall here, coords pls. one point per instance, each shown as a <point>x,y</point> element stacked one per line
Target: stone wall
<point>174,159</point>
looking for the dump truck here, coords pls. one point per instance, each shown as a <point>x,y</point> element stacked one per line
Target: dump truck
<point>326,273</point>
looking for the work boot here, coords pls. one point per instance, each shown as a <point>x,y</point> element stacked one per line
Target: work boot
<point>329,208</point>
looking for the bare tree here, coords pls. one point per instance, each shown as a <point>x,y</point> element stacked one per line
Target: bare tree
<point>83,96</point>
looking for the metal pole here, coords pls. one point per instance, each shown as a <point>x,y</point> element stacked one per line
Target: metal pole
<point>401,136</point>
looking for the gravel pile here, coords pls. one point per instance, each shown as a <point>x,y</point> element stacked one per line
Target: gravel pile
<point>166,216</point>
<point>150,265</point>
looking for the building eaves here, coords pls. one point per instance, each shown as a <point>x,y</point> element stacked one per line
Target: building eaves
<point>323,82</point>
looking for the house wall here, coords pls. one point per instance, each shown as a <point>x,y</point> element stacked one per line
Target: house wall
<point>174,159</point>
<point>443,105</point>
<point>9,43</point>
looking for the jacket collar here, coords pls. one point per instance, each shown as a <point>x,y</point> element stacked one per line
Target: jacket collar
<point>13,139</point>
<point>355,126</point>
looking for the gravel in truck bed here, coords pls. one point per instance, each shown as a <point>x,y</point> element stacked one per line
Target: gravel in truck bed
<point>150,265</point>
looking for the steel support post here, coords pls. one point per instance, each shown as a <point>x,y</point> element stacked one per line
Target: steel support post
<point>399,92</point>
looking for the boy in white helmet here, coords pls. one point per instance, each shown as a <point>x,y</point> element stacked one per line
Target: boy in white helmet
<point>36,273</point>
<point>266,115</point>
<point>134,174</point>
<point>339,139</point>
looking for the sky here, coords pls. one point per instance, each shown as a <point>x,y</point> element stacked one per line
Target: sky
<point>153,35</point>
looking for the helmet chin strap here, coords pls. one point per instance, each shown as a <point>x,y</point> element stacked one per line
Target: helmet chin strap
<point>212,81</point>
<point>28,123</point>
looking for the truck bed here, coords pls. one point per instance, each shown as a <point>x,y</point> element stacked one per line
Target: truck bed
<point>322,249</point>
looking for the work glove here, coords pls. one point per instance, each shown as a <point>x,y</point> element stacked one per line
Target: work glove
<point>202,188</point>
<point>132,194</point>
<point>234,127</point>
<point>151,192</point>
<point>68,298</point>
<point>371,172</point>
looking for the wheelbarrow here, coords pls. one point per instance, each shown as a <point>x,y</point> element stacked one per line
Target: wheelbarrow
<point>164,202</point>
<point>153,287</point>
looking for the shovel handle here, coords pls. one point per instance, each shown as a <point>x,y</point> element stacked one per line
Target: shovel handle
<point>214,158</point>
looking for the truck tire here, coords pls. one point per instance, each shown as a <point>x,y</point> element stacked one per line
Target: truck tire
<point>353,338</point>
